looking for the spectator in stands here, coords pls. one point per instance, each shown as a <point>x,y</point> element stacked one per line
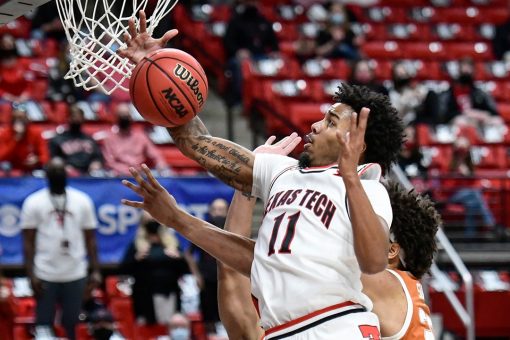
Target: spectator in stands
<point>14,78</point>
<point>125,147</point>
<point>410,157</point>
<point>475,206</point>
<point>411,99</point>
<point>102,326</point>
<point>207,267</point>
<point>464,104</point>
<point>179,328</point>
<point>363,74</point>
<point>46,23</point>
<point>61,89</point>
<point>22,147</point>
<point>248,36</point>
<point>337,40</point>
<point>58,225</point>
<point>153,259</point>
<point>7,310</point>
<point>501,41</point>
<point>80,151</point>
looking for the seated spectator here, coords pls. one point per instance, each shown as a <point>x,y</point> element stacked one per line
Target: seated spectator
<point>465,104</point>
<point>501,41</point>
<point>125,147</point>
<point>14,79</point>
<point>248,35</point>
<point>363,74</point>
<point>102,326</point>
<point>155,263</point>
<point>410,157</point>
<point>79,150</point>
<point>22,146</point>
<point>475,206</point>
<point>337,40</point>
<point>412,100</point>
<point>179,328</point>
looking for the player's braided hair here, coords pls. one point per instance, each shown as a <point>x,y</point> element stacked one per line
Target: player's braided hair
<point>414,226</point>
<point>384,135</point>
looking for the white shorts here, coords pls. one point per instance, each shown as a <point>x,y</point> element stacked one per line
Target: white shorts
<point>351,322</point>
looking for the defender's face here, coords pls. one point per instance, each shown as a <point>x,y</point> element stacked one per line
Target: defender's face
<point>321,144</point>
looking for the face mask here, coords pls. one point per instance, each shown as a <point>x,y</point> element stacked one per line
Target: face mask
<point>250,11</point>
<point>102,333</point>
<point>152,227</point>
<point>466,78</point>
<point>124,123</point>
<point>401,82</point>
<point>337,19</point>
<point>218,221</point>
<point>75,128</point>
<point>179,334</point>
<point>57,180</point>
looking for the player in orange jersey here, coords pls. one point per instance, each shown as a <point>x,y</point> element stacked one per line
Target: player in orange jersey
<point>396,293</point>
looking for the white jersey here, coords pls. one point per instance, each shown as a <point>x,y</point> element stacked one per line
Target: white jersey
<point>304,255</point>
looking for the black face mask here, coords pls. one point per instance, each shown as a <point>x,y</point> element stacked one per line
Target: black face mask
<point>466,78</point>
<point>152,227</point>
<point>250,11</point>
<point>102,333</point>
<point>401,82</point>
<point>124,123</point>
<point>218,221</point>
<point>75,128</point>
<point>57,180</point>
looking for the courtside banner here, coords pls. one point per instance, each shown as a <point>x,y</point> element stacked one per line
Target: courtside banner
<point>117,223</point>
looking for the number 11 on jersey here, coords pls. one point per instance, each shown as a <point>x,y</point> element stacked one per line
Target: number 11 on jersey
<point>289,234</point>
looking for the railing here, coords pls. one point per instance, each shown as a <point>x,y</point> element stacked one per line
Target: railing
<point>466,313</point>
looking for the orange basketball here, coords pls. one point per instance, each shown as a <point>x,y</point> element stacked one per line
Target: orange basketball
<point>168,87</point>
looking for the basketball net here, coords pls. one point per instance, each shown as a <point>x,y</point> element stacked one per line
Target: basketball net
<point>95,29</point>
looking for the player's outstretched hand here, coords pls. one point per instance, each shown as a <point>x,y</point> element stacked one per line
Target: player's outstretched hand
<point>352,144</point>
<point>157,201</point>
<point>283,147</point>
<point>140,43</point>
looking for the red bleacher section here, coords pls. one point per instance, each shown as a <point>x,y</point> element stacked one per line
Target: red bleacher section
<point>290,95</point>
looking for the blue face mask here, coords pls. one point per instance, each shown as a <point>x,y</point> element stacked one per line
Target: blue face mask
<point>337,18</point>
<point>180,334</point>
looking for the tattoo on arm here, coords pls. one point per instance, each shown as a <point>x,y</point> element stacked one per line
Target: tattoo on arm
<point>230,162</point>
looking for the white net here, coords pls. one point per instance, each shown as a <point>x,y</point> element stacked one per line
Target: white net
<point>95,30</point>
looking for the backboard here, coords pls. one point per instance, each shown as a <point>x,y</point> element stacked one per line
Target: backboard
<point>12,9</point>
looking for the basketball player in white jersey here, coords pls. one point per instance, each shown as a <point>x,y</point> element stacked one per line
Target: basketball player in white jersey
<point>323,225</point>
<point>396,293</point>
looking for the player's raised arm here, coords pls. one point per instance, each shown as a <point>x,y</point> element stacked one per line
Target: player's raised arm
<point>370,232</point>
<point>234,250</point>
<point>228,161</point>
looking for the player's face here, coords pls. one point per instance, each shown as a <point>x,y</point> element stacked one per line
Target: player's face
<point>321,144</point>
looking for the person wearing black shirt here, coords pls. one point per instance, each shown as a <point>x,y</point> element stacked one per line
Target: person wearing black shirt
<point>81,153</point>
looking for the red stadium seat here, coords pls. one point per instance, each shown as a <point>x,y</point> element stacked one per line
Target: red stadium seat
<point>382,50</point>
<point>489,156</point>
<point>504,111</point>
<point>150,332</point>
<point>478,51</point>
<point>424,50</point>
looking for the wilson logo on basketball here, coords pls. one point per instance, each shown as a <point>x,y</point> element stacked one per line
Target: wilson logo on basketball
<point>183,73</point>
<point>174,102</point>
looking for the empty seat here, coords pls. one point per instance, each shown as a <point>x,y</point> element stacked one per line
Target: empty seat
<point>382,50</point>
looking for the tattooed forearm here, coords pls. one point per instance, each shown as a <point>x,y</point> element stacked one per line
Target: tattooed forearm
<point>230,162</point>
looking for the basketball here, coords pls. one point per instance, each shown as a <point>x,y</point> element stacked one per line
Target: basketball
<point>168,87</point>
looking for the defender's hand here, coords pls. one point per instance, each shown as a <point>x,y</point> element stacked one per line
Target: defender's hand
<point>156,199</point>
<point>283,147</point>
<point>139,44</point>
<point>352,144</point>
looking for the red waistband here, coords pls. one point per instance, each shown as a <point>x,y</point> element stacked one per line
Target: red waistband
<point>308,316</point>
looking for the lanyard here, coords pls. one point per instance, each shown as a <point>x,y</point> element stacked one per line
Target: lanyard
<point>59,210</point>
